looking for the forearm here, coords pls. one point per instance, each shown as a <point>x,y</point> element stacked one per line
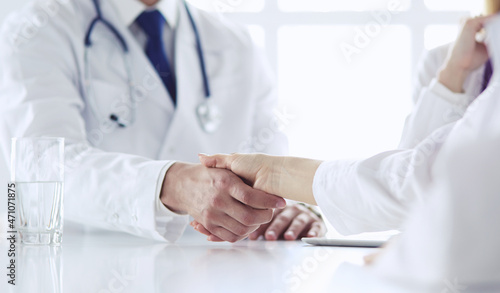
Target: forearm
<point>173,187</point>
<point>453,78</point>
<point>117,192</point>
<point>295,178</point>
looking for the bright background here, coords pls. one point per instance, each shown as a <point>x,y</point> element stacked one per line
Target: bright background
<point>346,109</point>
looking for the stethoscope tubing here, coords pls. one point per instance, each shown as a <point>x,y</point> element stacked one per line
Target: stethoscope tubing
<point>88,43</point>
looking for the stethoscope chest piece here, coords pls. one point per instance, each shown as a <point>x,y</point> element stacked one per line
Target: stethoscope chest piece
<point>209,116</point>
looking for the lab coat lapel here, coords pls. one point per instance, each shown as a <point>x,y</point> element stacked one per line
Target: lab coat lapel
<point>190,90</point>
<point>187,64</point>
<point>190,85</point>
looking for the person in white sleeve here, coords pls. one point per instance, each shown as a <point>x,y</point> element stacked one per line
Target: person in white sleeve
<point>450,77</point>
<point>138,89</point>
<point>376,194</point>
<point>451,242</point>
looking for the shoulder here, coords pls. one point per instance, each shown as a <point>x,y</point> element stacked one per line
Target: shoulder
<point>430,63</point>
<point>40,18</point>
<point>437,56</point>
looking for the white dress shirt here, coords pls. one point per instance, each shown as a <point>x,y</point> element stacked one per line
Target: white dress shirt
<point>129,10</point>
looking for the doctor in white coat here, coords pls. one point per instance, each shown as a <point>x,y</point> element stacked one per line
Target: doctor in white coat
<point>80,70</point>
<point>377,193</point>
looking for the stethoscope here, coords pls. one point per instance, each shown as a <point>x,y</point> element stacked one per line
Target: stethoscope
<point>207,112</point>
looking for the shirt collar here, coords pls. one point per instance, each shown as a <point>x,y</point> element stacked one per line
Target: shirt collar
<point>129,10</point>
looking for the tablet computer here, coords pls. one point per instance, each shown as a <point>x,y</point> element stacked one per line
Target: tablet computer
<point>344,242</point>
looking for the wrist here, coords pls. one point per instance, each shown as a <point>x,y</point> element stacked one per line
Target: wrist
<point>171,192</point>
<point>453,78</point>
<point>275,174</point>
<point>297,179</point>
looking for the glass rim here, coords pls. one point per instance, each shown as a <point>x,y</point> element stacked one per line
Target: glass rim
<point>32,138</point>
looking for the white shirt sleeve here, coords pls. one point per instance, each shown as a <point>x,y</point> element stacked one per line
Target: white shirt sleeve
<point>435,105</point>
<point>376,194</point>
<point>168,224</point>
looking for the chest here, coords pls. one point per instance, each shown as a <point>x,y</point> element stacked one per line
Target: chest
<point>127,86</point>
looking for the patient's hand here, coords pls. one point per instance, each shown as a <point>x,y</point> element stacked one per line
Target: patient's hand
<point>291,223</point>
<point>257,170</point>
<point>465,56</point>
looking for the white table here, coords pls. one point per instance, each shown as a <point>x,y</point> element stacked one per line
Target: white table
<point>102,262</point>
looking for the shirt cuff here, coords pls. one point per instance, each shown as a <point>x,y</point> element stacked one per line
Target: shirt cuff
<point>324,190</point>
<point>168,224</point>
<point>445,93</point>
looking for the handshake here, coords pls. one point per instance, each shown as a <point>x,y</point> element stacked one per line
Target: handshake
<point>232,197</point>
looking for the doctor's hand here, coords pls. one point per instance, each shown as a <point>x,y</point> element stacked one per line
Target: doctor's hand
<point>218,199</point>
<point>465,56</point>
<point>292,223</point>
<point>284,176</point>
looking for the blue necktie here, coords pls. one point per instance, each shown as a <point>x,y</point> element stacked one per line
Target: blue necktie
<point>153,23</point>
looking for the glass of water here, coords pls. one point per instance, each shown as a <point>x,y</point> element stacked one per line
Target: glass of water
<point>37,169</point>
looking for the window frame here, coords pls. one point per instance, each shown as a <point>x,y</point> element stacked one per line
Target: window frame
<point>416,18</point>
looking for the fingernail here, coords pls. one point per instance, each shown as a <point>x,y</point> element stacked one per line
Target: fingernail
<point>281,204</point>
<point>290,234</point>
<point>312,234</point>
<point>202,155</point>
<point>271,234</point>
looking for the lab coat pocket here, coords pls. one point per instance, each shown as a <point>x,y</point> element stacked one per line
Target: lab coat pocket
<point>108,100</point>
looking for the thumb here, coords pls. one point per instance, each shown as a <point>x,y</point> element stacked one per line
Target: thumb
<point>216,161</point>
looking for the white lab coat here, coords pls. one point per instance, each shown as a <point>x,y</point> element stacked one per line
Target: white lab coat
<point>114,175</point>
<point>377,193</point>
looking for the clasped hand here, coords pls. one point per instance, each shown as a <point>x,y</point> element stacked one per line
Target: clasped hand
<point>263,173</point>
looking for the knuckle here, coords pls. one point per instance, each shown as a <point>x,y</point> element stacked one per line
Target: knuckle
<point>284,218</point>
<point>218,231</point>
<point>233,238</point>
<point>241,231</point>
<point>301,221</point>
<point>216,201</point>
<point>222,182</point>
<point>268,216</point>
<point>207,216</point>
<point>300,208</point>
<point>248,218</point>
<point>245,197</point>
<point>211,227</point>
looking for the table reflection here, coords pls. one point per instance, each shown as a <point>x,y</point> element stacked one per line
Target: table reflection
<point>105,262</point>
<point>40,269</point>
